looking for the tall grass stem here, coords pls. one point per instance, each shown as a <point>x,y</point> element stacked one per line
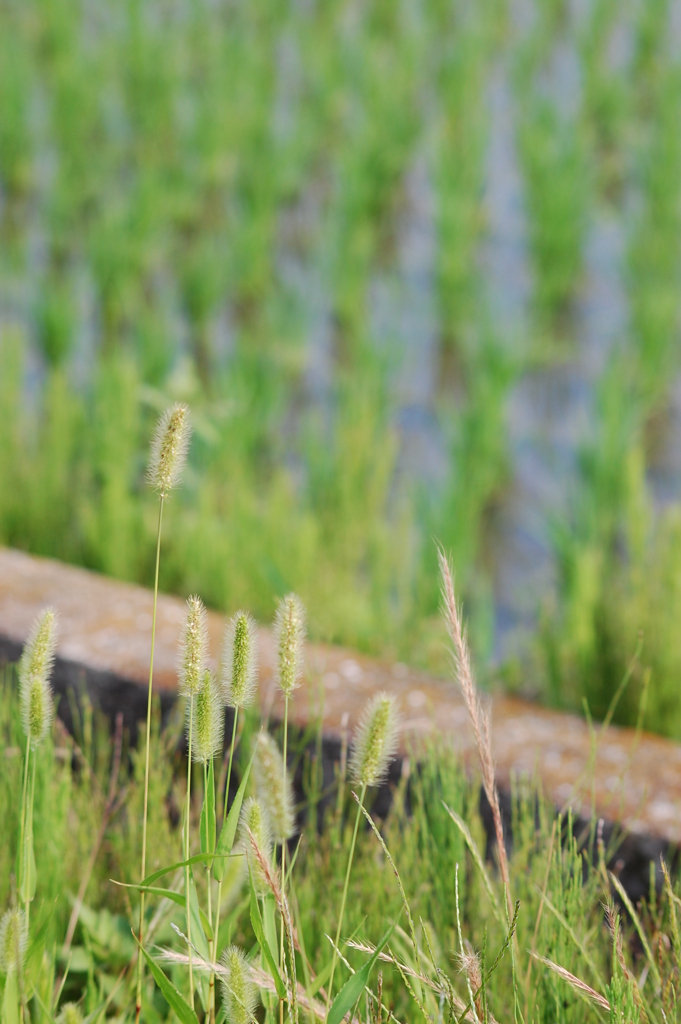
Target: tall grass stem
<point>186,851</point>
<point>283,849</point>
<point>345,894</point>
<point>224,815</point>
<point>24,812</point>
<point>140,959</point>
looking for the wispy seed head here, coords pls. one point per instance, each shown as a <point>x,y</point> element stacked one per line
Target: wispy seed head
<point>35,669</point>
<point>289,632</point>
<point>273,786</point>
<point>240,661</point>
<point>208,725</point>
<point>254,819</point>
<point>193,648</point>
<point>169,449</point>
<point>376,741</point>
<point>469,964</point>
<point>13,940</point>
<point>239,993</point>
<point>71,1013</point>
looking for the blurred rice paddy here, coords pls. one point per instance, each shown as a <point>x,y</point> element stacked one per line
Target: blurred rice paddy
<point>416,268</point>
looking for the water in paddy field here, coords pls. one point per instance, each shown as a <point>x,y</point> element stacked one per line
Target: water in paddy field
<point>550,411</point>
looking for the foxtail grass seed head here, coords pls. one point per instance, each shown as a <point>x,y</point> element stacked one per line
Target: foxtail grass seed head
<point>35,669</point>
<point>254,819</point>
<point>376,741</point>
<point>273,786</point>
<point>289,632</point>
<point>239,993</point>
<point>193,648</point>
<point>169,449</point>
<point>71,1013</point>
<point>208,726</point>
<point>240,661</point>
<point>13,940</point>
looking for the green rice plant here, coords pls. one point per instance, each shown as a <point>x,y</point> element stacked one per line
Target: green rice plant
<point>654,256</point>
<point>608,98</point>
<point>462,45</point>
<point>552,149</point>
<point>554,163</point>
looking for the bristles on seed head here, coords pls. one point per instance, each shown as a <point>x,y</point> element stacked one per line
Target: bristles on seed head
<point>254,820</point>
<point>169,449</point>
<point>193,648</point>
<point>71,1013</point>
<point>208,724</point>
<point>240,661</point>
<point>35,669</point>
<point>289,632</point>
<point>13,940</point>
<point>239,993</point>
<point>376,741</point>
<point>273,787</point>
<point>469,964</point>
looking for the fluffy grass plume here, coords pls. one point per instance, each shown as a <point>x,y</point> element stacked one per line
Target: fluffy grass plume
<point>289,632</point>
<point>239,993</point>
<point>207,732</point>
<point>376,741</point>
<point>169,449</point>
<point>240,661</point>
<point>273,786</point>
<point>35,669</point>
<point>480,720</point>
<point>71,1013</point>
<point>254,820</point>
<point>193,648</point>
<point>13,940</point>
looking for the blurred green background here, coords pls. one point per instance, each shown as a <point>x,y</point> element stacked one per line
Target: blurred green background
<point>415,266</point>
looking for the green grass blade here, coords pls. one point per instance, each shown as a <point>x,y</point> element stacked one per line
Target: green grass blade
<point>207,822</point>
<point>259,931</point>
<point>175,1000</point>
<point>226,839</point>
<point>354,986</point>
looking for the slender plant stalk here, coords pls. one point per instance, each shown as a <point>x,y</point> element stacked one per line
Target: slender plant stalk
<point>224,814</point>
<point>29,831</point>
<point>186,852</point>
<point>140,937</point>
<point>283,852</point>
<point>24,812</point>
<point>212,943</point>
<point>345,895</point>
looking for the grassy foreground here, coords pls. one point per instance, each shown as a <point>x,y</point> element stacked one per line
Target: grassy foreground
<point>87,810</point>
